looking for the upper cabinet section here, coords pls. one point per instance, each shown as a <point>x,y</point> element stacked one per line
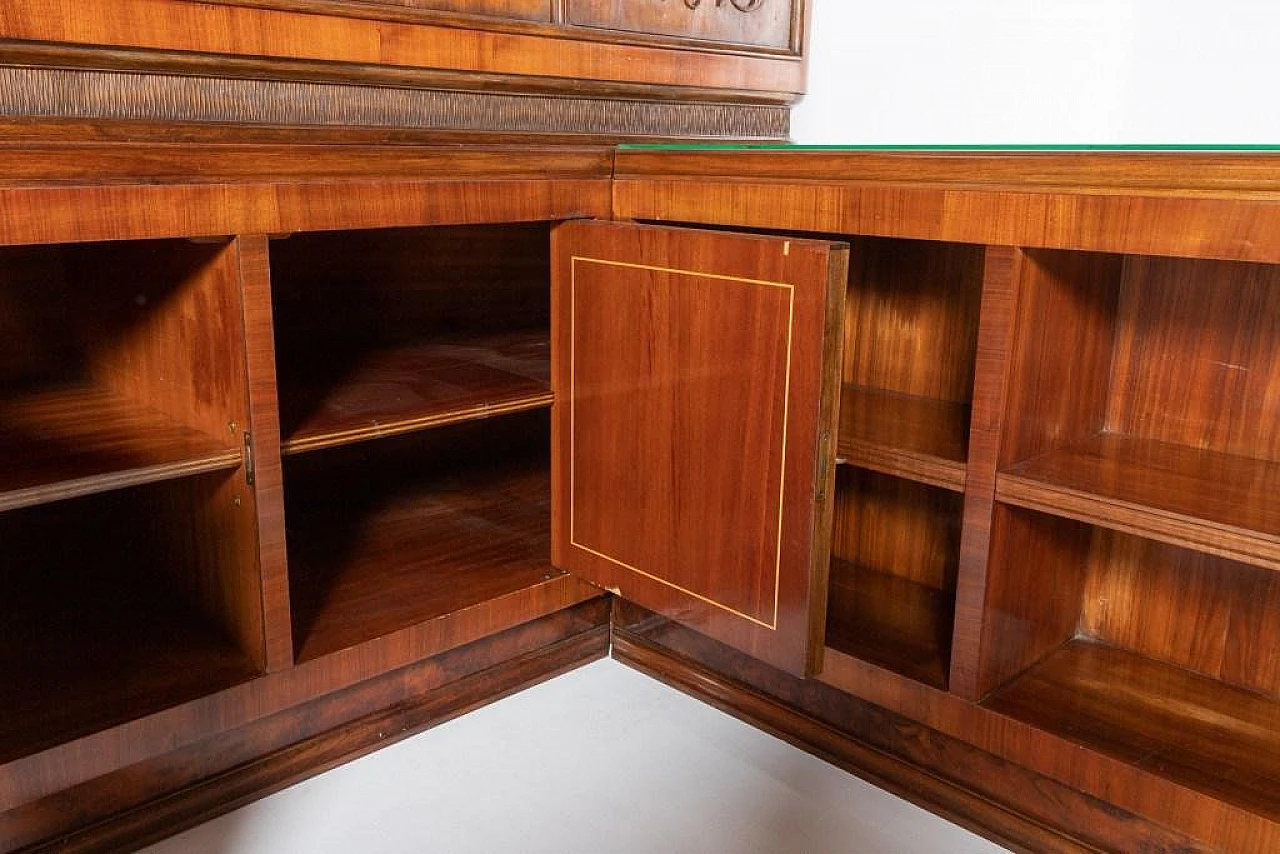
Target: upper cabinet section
<point>650,70</point>
<point>755,23</point>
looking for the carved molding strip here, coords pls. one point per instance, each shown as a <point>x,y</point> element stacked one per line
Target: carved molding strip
<point>108,95</point>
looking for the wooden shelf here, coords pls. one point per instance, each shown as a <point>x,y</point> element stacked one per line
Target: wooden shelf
<point>400,389</point>
<point>1195,731</point>
<point>889,621</point>
<point>1213,502</point>
<point>917,438</point>
<point>366,565</point>
<point>63,442</point>
<point>84,651</point>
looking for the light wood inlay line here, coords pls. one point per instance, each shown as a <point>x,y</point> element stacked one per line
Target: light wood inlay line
<point>772,624</point>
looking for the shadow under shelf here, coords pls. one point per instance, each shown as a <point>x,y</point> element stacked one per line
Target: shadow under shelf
<point>100,626</point>
<point>422,531</point>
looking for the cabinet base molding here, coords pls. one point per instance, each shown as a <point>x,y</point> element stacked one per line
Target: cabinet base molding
<point>1008,804</point>
<point>146,803</point>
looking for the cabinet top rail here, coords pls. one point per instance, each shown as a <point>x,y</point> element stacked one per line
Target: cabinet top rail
<point>1218,171</point>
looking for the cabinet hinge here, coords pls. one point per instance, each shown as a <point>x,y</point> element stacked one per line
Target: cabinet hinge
<point>824,464</point>
<point>250,474</point>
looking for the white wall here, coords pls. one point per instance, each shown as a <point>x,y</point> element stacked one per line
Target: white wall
<point>1042,71</point>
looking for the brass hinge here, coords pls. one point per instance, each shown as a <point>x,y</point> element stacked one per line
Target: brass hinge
<point>249,472</point>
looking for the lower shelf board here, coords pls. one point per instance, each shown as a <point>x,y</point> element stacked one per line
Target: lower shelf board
<point>395,390</point>
<point>1192,730</point>
<point>443,544</point>
<point>80,439</point>
<point>1216,502</point>
<point>891,622</point>
<point>87,654</point>
<point>917,438</point>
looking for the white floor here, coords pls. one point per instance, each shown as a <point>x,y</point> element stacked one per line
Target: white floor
<point>602,759</point>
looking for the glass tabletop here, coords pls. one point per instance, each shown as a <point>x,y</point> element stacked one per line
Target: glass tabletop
<point>1129,147</point>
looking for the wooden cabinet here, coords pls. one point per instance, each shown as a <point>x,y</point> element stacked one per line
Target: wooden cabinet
<point>957,462</point>
<point>243,474</point>
<point>390,70</point>
<point>1052,522</point>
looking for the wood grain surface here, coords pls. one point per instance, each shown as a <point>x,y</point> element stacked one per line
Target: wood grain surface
<point>264,442</point>
<point>1002,273</point>
<point>1056,378</point>
<point>758,23</point>
<point>234,30</point>
<point>1162,719</point>
<point>520,10</point>
<point>436,326</point>
<point>417,386</point>
<point>121,365</point>
<point>1186,608</point>
<point>689,376</point>
<point>1216,502</point>
<point>77,440</point>
<point>1189,174</point>
<point>1196,359</point>
<point>385,536</point>
<point>1176,204</point>
<point>895,546</point>
<point>911,317</point>
<point>100,626</point>
<point>918,438</point>
<point>151,800</point>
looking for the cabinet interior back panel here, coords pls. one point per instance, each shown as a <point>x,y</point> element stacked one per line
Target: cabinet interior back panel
<point>1201,612</point>
<point>1197,357</point>
<point>911,317</point>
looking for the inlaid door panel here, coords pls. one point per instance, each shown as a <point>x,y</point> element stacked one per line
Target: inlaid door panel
<point>695,378</point>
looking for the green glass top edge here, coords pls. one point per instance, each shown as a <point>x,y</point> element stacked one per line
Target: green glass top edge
<point>950,147</point>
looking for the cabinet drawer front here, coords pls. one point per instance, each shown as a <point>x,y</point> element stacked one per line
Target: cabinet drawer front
<point>516,10</point>
<point>758,23</point>
<point>689,371</point>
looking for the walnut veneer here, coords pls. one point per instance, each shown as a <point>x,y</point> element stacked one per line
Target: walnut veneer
<point>972,457</point>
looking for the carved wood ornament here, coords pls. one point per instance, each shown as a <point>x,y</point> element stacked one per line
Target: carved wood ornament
<point>740,5</point>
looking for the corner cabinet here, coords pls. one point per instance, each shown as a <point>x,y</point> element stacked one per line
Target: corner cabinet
<point>958,468</point>
<point>1051,534</point>
<point>695,377</point>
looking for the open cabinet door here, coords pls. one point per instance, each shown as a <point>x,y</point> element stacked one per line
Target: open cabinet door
<point>695,375</point>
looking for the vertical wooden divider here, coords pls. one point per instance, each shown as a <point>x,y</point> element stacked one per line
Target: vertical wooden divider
<point>264,443</point>
<point>1001,274</point>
